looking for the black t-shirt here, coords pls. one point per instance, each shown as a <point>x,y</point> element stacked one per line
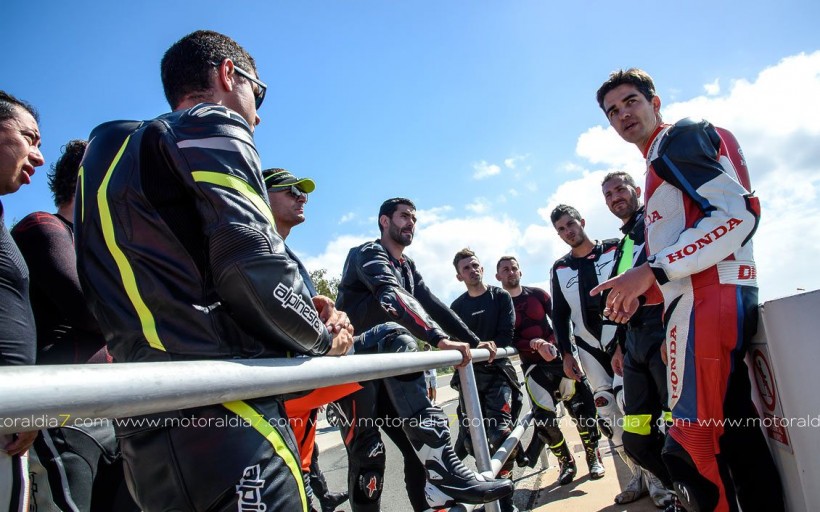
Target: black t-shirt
<point>490,315</point>
<point>18,340</point>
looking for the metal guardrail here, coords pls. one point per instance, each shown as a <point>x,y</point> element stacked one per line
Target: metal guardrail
<point>37,397</point>
<point>55,393</point>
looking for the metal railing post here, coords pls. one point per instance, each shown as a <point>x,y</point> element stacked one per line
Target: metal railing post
<point>478,435</point>
<point>501,456</point>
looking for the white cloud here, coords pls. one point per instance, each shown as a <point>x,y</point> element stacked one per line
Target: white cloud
<point>601,145</point>
<point>333,257</point>
<point>513,161</point>
<point>713,88</point>
<point>433,215</point>
<point>485,170</point>
<point>347,217</point>
<point>439,237</point>
<point>479,205</point>
<point>435,245</point>
<point>775,118</point>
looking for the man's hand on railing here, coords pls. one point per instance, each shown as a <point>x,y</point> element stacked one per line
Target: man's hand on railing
<point>334,319</point>
<point>489,345</point>
<point>464,348</point>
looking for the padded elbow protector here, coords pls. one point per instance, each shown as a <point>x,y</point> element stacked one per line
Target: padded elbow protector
<point>264,291</point>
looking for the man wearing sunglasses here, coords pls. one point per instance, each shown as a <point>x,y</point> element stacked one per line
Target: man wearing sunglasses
<point>287,196</point>
<point>179,259</point>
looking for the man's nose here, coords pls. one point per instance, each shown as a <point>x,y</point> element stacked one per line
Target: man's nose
<point>36,157</point>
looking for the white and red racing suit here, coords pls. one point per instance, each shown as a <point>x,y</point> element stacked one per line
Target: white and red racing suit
<point>700,218</point>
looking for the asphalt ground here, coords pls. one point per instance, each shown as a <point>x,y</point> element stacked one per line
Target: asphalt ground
<point>535,489</point>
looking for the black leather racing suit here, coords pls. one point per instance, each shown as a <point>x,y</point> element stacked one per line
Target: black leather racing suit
<point>375,289</point>
<point>179,259</point>
<point>645,392</point>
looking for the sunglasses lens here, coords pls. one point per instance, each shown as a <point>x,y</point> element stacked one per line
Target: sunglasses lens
<point>260,97</point>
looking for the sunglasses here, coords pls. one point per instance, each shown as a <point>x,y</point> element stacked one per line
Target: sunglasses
<point>261,88</point>
<point>292,190</point>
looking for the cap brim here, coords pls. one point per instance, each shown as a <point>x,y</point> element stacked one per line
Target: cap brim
<point>305,185</point>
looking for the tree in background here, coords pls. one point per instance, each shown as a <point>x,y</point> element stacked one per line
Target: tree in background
<point>328,287</point>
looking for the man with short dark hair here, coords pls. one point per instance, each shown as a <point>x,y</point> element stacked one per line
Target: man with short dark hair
<point>179,259</point>
<point>700,219</point>
<point>19,156</point>
<point>380,285</point>
<point>637,356</point>
<point>578,325</point>
<point>488,312</point>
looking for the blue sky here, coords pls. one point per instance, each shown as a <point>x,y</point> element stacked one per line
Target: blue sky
<point>482,112</point>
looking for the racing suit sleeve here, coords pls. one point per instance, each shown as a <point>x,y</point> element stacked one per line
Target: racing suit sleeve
<point>214,153</point>
<point>506,320</point>
<point>546,302</point>
<point>373,268</point>
<point>560,315</point>
<point>691,159</point>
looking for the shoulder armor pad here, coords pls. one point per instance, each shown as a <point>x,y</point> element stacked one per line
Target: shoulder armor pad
<point>688,133</point>
<point>563,261</point>
<point>370,246</point>
<point>688,122</point>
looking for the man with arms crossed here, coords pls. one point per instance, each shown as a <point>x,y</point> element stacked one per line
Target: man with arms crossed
<point>488,312</point>
<point>179,259</point>
<point>638,357</point>
<point>544,373</point>
<point>700,218</point>
<point>381,285</point>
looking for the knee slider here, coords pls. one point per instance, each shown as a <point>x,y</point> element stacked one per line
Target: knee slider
<point>607,407</point>
<point>400,341</point>
<point>382,338</point>
<point>606,403</point>
<point>368,486</point>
